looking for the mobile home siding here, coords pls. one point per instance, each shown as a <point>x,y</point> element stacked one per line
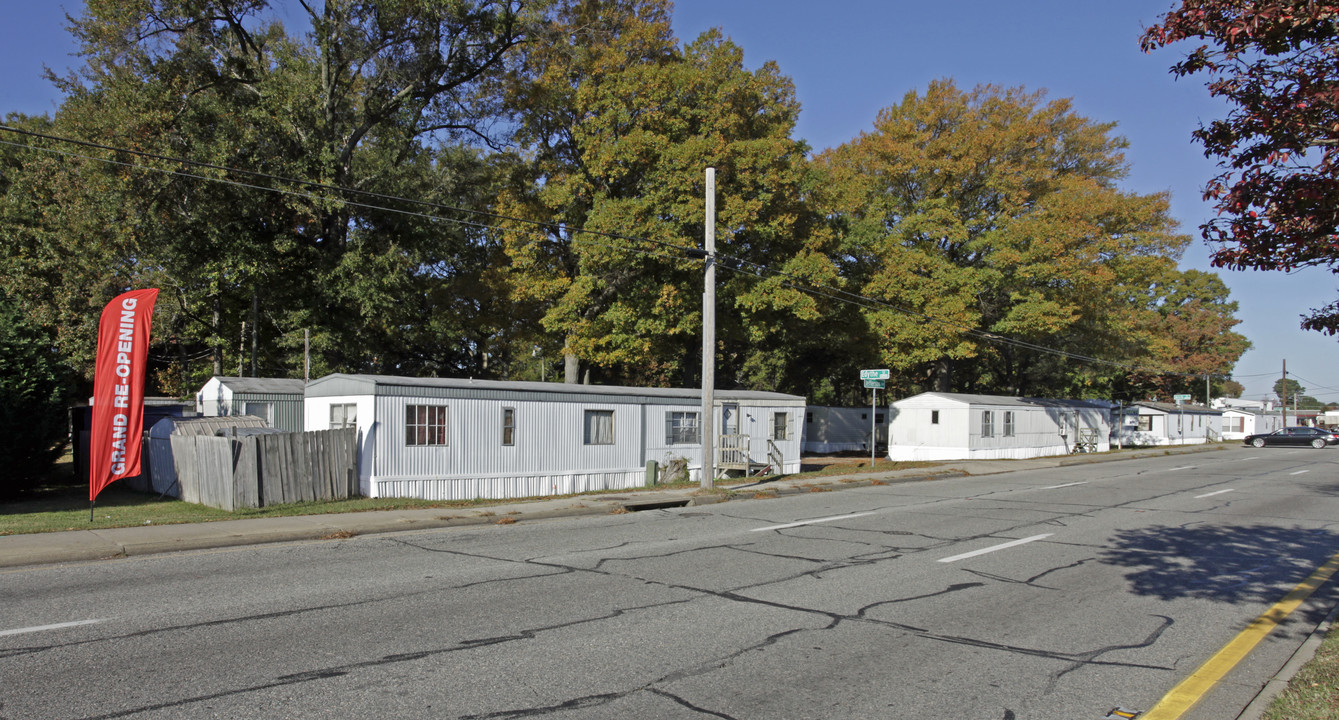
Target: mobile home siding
<point>838,429</point>
<point>285,409</point>
<point>1039,428</point>
<point>548,441</point>
<point>548,454</point>
<point>1170,424</point>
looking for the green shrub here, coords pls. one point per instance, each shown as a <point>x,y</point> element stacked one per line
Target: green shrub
<point>35,388</point>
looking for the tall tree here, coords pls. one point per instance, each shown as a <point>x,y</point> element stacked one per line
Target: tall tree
<point>1191,320</point>
<point>618,124</point>
<point>1287,388</point>
<point>378,98</point>
<point>1276,62</point>
<point>989,223</point>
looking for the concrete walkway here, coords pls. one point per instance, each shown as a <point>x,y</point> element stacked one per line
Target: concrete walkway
<point>88,545</point>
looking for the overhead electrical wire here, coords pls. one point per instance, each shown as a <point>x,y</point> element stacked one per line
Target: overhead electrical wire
<point>1315,387</point>
<point>554,228</point>
<point>728,262</point>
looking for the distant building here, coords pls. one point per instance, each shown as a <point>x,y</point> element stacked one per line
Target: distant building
<point>1238,423</point>
<point>1158,423</point>
<point>1224,403</point>
<point>277,401</point>
<point>956,426</point>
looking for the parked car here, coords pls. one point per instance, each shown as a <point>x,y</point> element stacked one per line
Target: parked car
<point>1295,436</point>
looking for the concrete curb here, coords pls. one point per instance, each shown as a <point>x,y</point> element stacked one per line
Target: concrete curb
<point>1277,684</point>
<point>110,543</point>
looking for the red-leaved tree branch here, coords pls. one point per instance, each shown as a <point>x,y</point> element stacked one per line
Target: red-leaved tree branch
<point>1277,197</point>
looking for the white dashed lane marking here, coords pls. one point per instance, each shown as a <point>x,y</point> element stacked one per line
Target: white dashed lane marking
<point>811,522</point>
<point>44,628</point>
<point>993,548</point>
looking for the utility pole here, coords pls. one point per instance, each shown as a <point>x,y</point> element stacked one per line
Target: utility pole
<point>1207,402</point>
<point>1283,394</point>
<point>709,339</point>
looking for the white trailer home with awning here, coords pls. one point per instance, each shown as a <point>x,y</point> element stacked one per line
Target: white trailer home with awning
<point>959,426</point>
<point>455,439</point>
<point>1160,423</point>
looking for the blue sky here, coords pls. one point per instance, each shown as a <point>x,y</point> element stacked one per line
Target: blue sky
<point>851,58</point>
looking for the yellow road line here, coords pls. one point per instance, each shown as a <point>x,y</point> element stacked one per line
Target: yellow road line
<point>1186,694</point>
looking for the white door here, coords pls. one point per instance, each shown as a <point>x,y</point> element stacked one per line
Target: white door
<point>729,419</point>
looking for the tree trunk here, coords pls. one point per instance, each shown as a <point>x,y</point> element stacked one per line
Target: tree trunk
<point>943,376</point>
<point>255,321</point>
<point>571,369</point>
<point>218,333</point>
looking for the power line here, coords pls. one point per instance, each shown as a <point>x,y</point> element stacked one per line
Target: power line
<point>1299,377</point>
<point>555,229</point>
<point>734,263</point>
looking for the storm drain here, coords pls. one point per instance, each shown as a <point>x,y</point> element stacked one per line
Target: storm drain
<point>657,505</point>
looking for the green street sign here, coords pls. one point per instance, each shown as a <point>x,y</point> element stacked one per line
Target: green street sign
<point>876,384</point>
<point>874,374</point>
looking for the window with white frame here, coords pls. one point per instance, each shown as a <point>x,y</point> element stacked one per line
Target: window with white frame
<point>343,415</point>
<point>682,428</point>
<point>598,427</point>
<point>1236,424</point>
<point>1146,423</point>
<point>987,423</point>
<point>508,426</point>
<point>425,425</point>
<point>1008,423</point>
<point>780,426</point>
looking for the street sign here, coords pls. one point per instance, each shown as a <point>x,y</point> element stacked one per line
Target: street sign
<point>874,374</point>
<point>876,384</point>
<point>1181,399</point>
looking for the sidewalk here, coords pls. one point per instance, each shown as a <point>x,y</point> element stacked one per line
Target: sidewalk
<point>88,545</point>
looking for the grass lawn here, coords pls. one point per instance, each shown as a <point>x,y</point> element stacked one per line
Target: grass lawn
<point>62,503</point>
<point>1312,694</point>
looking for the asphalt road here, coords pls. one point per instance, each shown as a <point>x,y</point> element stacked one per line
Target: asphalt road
<point>1056,594</point>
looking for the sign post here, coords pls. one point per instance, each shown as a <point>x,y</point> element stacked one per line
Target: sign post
<point>874,380</point>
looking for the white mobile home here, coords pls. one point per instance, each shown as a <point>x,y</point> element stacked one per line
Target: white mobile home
<point>277,401</point>
<point>452,439</point>
<point>1158,423</point>
<point>1240,422</point>
<point>838,429</point>
<point>957,426</point>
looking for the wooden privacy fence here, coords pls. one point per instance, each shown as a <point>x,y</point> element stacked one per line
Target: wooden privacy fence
<point>260,470</point>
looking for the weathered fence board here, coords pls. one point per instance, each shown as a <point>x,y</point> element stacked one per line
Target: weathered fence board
<point>260,470</point>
